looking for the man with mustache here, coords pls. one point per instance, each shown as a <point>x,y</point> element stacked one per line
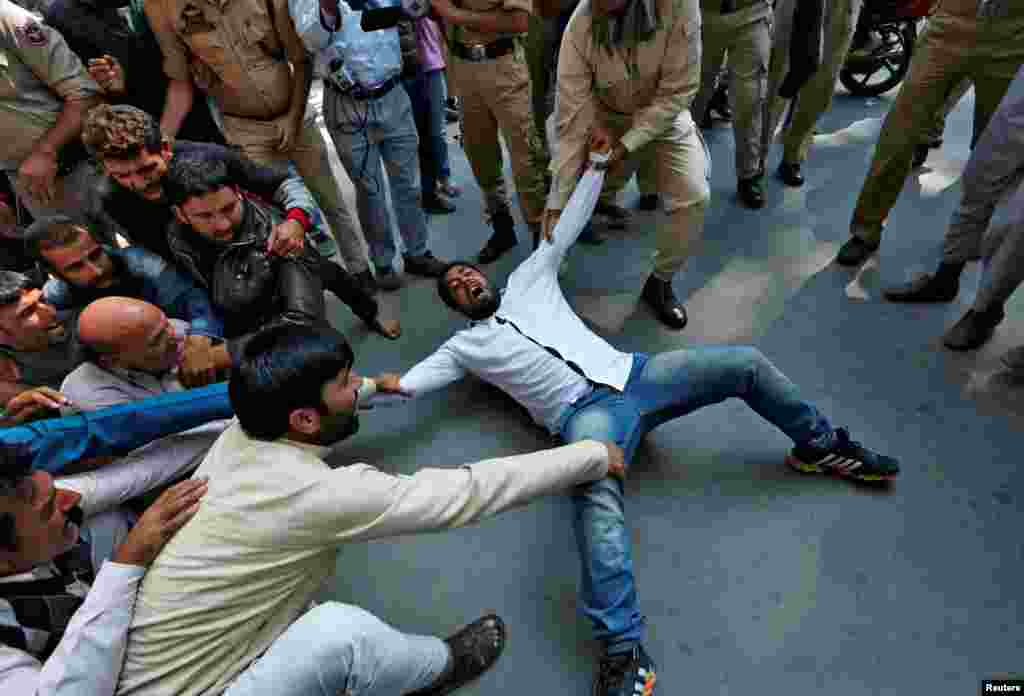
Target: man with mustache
<point>224,608</point>
<point>528,342</point>
<point>84,271</point>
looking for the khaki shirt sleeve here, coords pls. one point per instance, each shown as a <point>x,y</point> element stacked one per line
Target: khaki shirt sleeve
<point>680,78</point>
<point>294,50</point>
<point>176,53</point>
<point>45,52</point>
<point>576,114</point>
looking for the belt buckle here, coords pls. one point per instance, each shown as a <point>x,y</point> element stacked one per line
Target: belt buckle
<point>477,52</point>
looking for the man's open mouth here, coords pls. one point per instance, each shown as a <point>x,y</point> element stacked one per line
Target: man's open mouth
<point>476,292</point>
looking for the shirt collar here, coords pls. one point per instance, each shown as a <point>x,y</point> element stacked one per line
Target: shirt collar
<point>316,450</point>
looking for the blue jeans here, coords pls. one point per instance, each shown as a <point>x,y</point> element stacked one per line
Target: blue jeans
<point>426,92</point>
<point>341,649</point>
<point>365,131</point>
<point>52,444</point>
<point>660,388</point>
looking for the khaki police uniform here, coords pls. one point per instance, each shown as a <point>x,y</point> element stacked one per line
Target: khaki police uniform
<point>746,35</point>
<point>240,52</point>
<point>642,95</point>
<point>495,94</point>
<point>815,97</point>
<point>982,41</point>
<point>38,74</point>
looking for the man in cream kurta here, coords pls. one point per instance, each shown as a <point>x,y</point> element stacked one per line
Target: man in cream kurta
<point>637,89</point>
<point>246,567</point>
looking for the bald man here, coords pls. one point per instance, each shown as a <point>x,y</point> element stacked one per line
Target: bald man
<point>133,352</point>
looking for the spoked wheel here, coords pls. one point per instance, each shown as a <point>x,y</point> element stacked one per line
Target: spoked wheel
<point>886,66</point>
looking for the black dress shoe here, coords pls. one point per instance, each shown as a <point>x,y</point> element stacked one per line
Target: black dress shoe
<point>426,264</point>
<point>648,201</point>
<point>618,217</point>
<point>503,239</point>
<point>855,252</point>
<point>790,174</point>
<point>660,296</point>
<point>751,192</point>
<point>438,205</point>
<point>974,329</point>
<point>920,155</point>
<point>474,650</point>
<point>364,279</point>
<point>930,287</point>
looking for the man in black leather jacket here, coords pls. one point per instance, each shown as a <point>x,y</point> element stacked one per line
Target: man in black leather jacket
<point>220,234</point>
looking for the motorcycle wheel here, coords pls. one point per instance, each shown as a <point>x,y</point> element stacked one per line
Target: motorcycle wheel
<point>872,77</point>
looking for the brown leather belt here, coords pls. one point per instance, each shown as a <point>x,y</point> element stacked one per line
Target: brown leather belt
<point>481,52</point>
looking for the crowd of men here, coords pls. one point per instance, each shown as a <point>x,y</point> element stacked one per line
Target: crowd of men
<point>169,379</point>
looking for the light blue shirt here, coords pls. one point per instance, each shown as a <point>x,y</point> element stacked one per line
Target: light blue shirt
<point>367,58</point>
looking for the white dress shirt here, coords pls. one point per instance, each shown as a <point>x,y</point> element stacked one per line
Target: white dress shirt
<point>87,661</point>
<point>533,301</point>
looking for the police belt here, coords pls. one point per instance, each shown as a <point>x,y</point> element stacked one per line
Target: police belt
<point>481,52</point>
<point>363,93</point>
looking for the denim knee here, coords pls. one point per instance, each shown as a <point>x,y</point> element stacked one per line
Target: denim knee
<point>347,639</point>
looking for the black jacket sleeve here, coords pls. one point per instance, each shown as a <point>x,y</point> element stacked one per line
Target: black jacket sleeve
<point>804,46</point>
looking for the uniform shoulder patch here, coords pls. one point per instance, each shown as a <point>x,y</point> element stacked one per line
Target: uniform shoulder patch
<point>31,34</point>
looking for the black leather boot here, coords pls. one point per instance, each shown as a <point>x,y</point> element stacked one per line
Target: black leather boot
<point>974,329</point>
<point>660,296</point>
<point>751,192</point>
<point>503,239</point>
<point>941,286</point>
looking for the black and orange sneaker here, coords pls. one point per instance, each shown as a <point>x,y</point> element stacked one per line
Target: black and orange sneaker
<point>847,458</point>
<point>627,674</point>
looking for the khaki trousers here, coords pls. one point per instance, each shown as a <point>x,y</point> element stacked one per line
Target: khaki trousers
<point>677,166</point>
<point>815,97</point>
<point>746,36</point>
<point>952,49</point>
<point>496,96</point>
<point>258,140</point>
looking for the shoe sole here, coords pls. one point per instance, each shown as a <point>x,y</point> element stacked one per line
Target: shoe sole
<point>811,468</point>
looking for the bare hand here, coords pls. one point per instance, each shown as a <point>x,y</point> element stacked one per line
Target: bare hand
<point>601,139</point>
<point>616,461</point>
<point>548,224</point>
<point>444,8</point>
<point>390,383</point>
<point>38,176</point>
<point>33,403</point>
<point>389,328</point>
<point>329,8</point>
<point>618,156</point>
<point>286,239</point>
<point>169,513</point>
<point>108,73</point>
<point>197,368</point>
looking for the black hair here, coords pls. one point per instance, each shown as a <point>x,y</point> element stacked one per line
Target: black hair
<point>55,231</point>
<point>283,368</point>
<point>189,176</point>
<point>15,465</point>
<point>444,292</point>
<point>11,285</point>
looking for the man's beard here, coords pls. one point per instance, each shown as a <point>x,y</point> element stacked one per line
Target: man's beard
<point>337,427</point>
<point>484,308</point>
